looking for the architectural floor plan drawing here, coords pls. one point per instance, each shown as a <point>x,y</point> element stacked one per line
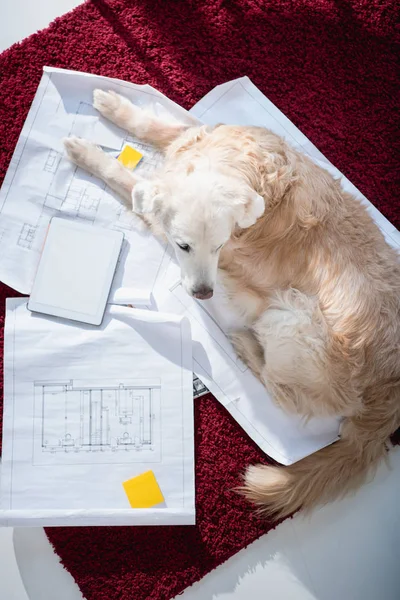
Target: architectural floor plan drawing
<point>78,195</point>
<point>87,409</point>
<point>79,418</point>
<point>41,181</point>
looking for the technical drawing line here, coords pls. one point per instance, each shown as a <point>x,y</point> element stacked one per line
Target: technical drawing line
<point>89,417</point>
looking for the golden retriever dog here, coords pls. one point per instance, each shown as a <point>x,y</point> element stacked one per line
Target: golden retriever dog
<point>314,284</point>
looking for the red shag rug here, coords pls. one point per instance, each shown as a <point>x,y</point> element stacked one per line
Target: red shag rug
<point>330,66</point>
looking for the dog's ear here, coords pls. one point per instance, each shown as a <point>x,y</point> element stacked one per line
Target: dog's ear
<point>249,208</point>
<point>146,197</point>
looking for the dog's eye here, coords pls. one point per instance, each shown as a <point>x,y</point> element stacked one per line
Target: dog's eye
<point>184,247</point>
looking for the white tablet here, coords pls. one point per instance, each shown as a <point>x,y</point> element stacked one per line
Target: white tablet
<point>75,271</point>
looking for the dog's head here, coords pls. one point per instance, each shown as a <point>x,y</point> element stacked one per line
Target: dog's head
<point>198,213</point>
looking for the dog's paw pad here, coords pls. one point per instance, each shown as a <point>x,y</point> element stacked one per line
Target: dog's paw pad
<point>105,102</point>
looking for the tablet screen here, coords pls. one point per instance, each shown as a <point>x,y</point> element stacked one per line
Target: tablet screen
<point>75,271</point>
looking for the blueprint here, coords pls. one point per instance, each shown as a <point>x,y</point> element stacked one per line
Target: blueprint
<point>87,408</point>
<point>41,181</point>
<point>98,419</point>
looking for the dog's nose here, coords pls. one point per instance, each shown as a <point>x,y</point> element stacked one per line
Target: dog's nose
<point>203,292</point>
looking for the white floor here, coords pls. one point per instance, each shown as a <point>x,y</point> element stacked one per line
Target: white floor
<point>345,551</point>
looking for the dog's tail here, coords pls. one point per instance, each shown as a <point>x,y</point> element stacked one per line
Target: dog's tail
<point>335,470</point>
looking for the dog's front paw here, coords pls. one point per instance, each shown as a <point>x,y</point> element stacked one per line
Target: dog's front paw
<point>107,103</point>
<point>80,151</point>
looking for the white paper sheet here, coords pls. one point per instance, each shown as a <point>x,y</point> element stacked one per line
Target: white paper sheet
<point>41,181</point>
<point>86,408</point>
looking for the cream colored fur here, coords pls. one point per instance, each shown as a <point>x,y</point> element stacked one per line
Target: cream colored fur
<point>304,265</point>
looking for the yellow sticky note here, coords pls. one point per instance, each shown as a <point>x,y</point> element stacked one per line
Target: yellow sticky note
<point>143,491</point>
<point>130,157</point>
